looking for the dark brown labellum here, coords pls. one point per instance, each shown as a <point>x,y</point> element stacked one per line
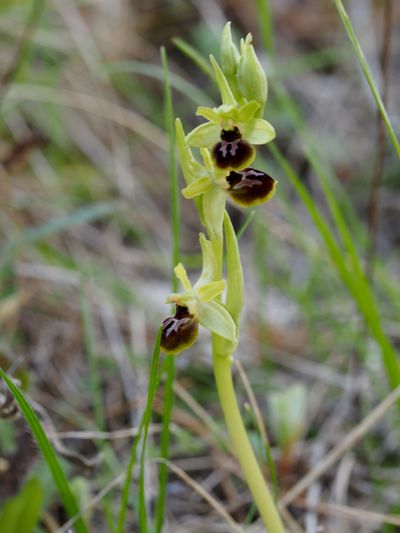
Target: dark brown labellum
<point>232,151</point>
<point>249,186</point>
<point>179,332</point>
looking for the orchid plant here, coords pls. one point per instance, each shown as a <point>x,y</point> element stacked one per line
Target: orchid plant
<point>225,144</point>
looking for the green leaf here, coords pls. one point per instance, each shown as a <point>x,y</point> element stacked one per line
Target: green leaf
<point>48,452</point>
<point>258,131</point>
<point>214,317</point>
<point>235,289</point>
<point>205,135</point>
<point>21,513</point>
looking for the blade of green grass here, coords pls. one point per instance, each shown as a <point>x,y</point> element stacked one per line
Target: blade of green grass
<point>178,83</point>
<point>266,25</point>
<point>54,226</point>
<point>176,238</point>
<point>94,376</point>
<point>48,452</point>
<point>144,424</point>
<point>367,73</point>
<point>195,56</point>
<point>356,284</point>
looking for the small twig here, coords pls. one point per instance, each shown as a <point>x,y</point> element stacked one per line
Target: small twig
<point>253,402</point>
<point>377,177</point>
<point>106,435</point>
<point>350,440</point>
<point>360,515</point>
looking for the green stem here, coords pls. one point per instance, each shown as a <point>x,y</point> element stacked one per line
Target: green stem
<point>222,360</point>
<point>241,444</point>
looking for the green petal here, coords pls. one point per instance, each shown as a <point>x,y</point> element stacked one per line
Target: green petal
<point>257,131</point>
<point>214,317</point>
<point>197,187</point>
<point>247,111</point>
<point>204,135</point>
<point>181,274</point>
<point>209,113</point>
<point>223,85</point>
<point>210,291</point>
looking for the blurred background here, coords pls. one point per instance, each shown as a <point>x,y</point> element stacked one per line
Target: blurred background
<point>85,259</point>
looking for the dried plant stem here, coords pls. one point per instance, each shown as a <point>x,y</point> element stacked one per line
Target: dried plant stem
<point>377,177</point>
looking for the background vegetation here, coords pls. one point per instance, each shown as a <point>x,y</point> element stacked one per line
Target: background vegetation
<point>85,266</point>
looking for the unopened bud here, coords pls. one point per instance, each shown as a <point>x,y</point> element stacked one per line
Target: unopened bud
<point>229,53</point>
<point>251,77</point>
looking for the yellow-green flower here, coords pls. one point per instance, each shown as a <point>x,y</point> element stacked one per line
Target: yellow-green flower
<point>197,304</point>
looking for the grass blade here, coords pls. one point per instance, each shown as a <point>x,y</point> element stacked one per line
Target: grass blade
<point>367,73</point>
<point>144,425</point>
<point>48,452</point>
<point>353,279</point>
<point>54,226</point>
<point>195,56</point>
<point>170,362</point>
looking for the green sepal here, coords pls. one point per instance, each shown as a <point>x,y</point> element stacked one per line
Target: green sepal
<point>206,134</point>
<point>190,167</point>
<point>197,187</point>
<point>214,317</point>
<point>223,85</point>
<point>258,131</point>
<point>235,285</point>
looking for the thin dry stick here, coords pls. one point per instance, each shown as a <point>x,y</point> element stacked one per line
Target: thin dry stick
<point>65,528</point>
<point>350,440</point>
<point>359,515</point>
<point>253,402</point>
<point>377,177</point>
<point>203,493</point>
<point>105,435</point>
<point>202,414</point>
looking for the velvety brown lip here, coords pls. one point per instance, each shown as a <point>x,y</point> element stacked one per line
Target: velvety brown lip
<point>250,186</point>
<point>178,332</point>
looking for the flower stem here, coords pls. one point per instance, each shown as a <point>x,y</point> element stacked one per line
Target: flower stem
<point>241,444</point>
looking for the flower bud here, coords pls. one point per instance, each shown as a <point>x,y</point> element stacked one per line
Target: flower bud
<point>179,332</point>
<point>251,77</point>
<point>229,53</point>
